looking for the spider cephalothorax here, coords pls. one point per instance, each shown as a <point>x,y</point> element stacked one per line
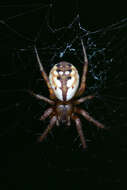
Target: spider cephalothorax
<point>63,82</point>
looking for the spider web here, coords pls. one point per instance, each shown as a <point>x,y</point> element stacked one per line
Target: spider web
<point>105,47</point>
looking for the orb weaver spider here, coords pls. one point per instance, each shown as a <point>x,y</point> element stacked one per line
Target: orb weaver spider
<point>63,82</point>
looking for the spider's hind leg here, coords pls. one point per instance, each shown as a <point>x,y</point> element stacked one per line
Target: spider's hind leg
<point>79,129</point>
<point>89,118</point>
<point>46,113</point>
<point>48,129</point>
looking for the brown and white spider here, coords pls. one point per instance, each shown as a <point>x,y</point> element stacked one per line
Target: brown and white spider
<point>63,82</point>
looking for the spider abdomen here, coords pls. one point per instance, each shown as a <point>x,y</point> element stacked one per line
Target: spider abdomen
<point>64,79</point>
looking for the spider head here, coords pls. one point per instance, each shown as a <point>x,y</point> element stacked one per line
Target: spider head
<point>63,112</point>
<point>64,79</point>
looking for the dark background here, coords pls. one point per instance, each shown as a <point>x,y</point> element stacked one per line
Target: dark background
<point>57,162</point>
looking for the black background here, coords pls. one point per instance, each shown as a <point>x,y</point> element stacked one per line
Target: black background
<point>25,164</point>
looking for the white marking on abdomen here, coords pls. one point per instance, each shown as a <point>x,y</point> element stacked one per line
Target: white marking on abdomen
<point>58,93</point>
<point>70,82</point>
<point>70,93</point>
<point>57,82</point>
<point>67,72</point>
<point>61,72</point>
<point>55,72</point>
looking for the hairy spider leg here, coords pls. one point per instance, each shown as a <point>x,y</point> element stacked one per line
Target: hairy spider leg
<point>79,130</point>
<point>49,127</point>
<point>46,113</point>
<point>40,97</point>
<point>83,99</point>
<point>85,69</point>
<point>89,118</point>
<point>44,75</point>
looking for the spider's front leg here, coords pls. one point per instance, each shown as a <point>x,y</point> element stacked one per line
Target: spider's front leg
<point>85,68</point>
<point>79,130</point>
<point>46,113</point>
<point>44,75</point>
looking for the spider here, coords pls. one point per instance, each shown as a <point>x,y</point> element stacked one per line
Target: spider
<point>63,82</point>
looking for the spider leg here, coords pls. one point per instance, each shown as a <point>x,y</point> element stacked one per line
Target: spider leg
<point>44,74</point>
<point>79,130</point>
<point>49,127</point>
<point>40,97</point>
<point>89,118</point>
<point>83,99</point>
<point>85,68</point>
<point>46,113</point>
